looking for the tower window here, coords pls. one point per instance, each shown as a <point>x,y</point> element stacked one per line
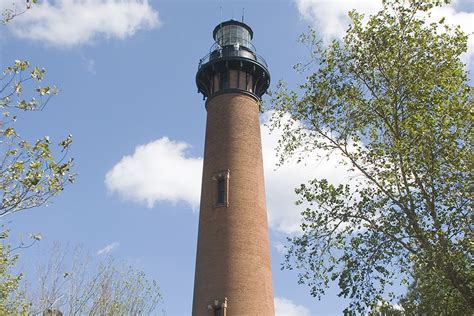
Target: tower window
<point>222,188</point>
<point>218,307</point>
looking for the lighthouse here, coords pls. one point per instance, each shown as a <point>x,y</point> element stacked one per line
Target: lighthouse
<point>233,272</point>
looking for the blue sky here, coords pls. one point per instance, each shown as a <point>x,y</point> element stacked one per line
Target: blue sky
<point>126,73</point>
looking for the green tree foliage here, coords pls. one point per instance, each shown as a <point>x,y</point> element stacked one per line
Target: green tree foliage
<point>29,173</point>
<point>432,294</point>
<point>393,98</point>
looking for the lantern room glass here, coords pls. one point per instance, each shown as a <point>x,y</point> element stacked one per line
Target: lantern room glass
<point>232,35</point>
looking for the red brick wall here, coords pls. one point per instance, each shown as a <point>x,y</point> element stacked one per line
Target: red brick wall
<point>233,255</point>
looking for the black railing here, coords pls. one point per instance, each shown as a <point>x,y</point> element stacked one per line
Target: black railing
<point>235,50</point>
<point>237,43</point>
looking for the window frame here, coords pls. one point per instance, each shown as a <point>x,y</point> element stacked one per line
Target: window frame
<point>221,178</point>
<point>218,307</point>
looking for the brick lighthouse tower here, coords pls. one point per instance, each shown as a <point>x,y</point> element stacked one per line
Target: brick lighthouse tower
<point>233,274</point>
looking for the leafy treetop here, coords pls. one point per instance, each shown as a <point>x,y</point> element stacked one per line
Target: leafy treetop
<point>393,98</point>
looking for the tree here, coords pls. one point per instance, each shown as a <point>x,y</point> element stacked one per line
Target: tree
<point>85,286</point>
<point>12,300</point>
<point>393,99</point>
<point>430,294</point>
<point>29,173</point>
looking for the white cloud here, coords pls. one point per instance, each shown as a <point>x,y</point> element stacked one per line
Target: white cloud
<point>330,17</point>
<point>285,307</point>
<point>157,171</point>
<point>331,21</point>
<point>108,249</point>
<point>74,22</point>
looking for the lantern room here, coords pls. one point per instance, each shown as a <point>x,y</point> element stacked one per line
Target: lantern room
<point>233,33</point>
<point>232,64</point>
